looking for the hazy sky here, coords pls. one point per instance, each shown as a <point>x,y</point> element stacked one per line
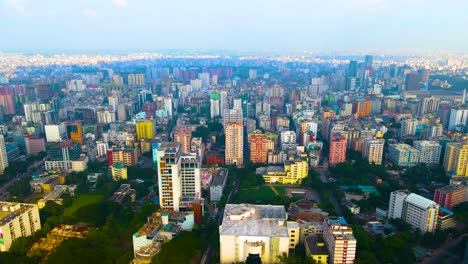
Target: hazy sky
<point>234,24</point>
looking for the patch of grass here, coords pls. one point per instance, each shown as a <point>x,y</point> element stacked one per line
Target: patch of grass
<point>81,201</point>
<point>257,195</point>
<point>282,188</point>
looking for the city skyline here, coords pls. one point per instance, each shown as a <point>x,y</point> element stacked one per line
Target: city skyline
<point>241,26</point>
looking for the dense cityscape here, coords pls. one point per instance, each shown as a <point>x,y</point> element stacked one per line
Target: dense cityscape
<point>169,158</point>
<point>233,132</point>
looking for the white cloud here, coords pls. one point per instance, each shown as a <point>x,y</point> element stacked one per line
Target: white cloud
<point>18,6</point>
<point>89,12</point>
<point>120,3</point>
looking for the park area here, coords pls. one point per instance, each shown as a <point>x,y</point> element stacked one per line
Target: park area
<point>82,201</point>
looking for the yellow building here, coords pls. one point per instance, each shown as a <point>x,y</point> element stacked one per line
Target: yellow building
<point>119,172</point>
<point>456,159</point>
<point>315,248</point>
<point>17,220</point>
<point>292,173</point>
<point>145,129</point>
<point>294,233</point>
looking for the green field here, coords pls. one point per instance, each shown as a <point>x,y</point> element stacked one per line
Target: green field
<point>281,189</point>
<point>260,195</point>
<point>81,201</point>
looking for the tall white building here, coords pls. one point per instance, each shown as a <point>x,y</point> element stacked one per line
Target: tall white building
<point>237,104</point>
<point>395,207</point>
<point>205,79</point>
<point>421,213</point>
<point>288,137</point>
<point>403,155</point>
<point>429,152</point>
<point>214,106</point>
<point>55,133</point>
<point>232,116</point>
<point>105,116</point>
<point>178,176</point>
<point>458,117</point>
<point>256,231</point>
<point>408,127</point>
<point>3,155</point>
<point>223,101</point>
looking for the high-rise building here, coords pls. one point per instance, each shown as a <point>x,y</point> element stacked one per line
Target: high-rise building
<point>373,150</point>
<point>234,143</point>
<point>408,127</point>
<point>421,213</point>
<point>214,105</point>
<point>17,220</point>
<point>183,135</point>
<point>3,155</point>
<point>178,176</point>
<point>458,117</point>
<point>403,155</point>
<point>232,116</point>
<point>34,145</point>
<point>252,74</point>
<point>62,154</point>
<point>288,137</point>
<point>56,133</point>
<point>259,232</point>
<point>456,159</point>
<point>429,152</point>
<point>258,148</point>
<point>395,207</point>
<point>136,79</point>
<point>412,81</point>
<point>340,241</point>
<point>429,104</point>
<point>128,156</point>
<point>146,129</point>
<point>223,101</point>
<point>352,69</point>
<point>75,131</point>
<point>7,103</point>
<point>337,149</point>
<point>449,196</point>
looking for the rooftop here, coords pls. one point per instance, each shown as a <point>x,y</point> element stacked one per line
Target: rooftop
<point>254,220</point>
<point>419,201</point>
<point>316,245</point>
<point>220,177</point>
<point>9,211</point>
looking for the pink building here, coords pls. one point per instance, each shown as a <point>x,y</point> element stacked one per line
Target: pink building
<point>6,101</point>
<point>34,145</point>
<point>337,149</point>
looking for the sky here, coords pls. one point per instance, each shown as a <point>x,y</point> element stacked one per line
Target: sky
<point>242,25</point>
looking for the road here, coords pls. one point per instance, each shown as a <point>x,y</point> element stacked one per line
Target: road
<point>445,253</point>
<point>4,188</point>
<point>324,178</point>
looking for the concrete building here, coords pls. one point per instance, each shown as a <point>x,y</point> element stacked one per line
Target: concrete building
<point>62,154</point>
<point>373,150</point>
<point>119,172</point>
<point>256,232</point>
<point>234,144</point>
<point>316,249</point>
<point>214,105</point>
<point>218,184</point>
<point>395,208</point>
<point>449,196</point>
<point>3,155</point>
<point>17,220</point>
<point>420,213</point>
<point>337,149</point>
<point>146,129</point>
<point>456,159</point>
<point>340,241</point>
<point>458,118</point>
<point>403,155</point>
<point>55,133</point>
<point>136,79</point>
<point>429,104</point>
<point>183,135</point>
<point>293,171</point>
<point>128,156</point>
<point>429,152</point>
<point>288,137</point>
<point>232,116</point>
<point>258,148</point>
<point>178,176</point>
<point>408,127</point>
